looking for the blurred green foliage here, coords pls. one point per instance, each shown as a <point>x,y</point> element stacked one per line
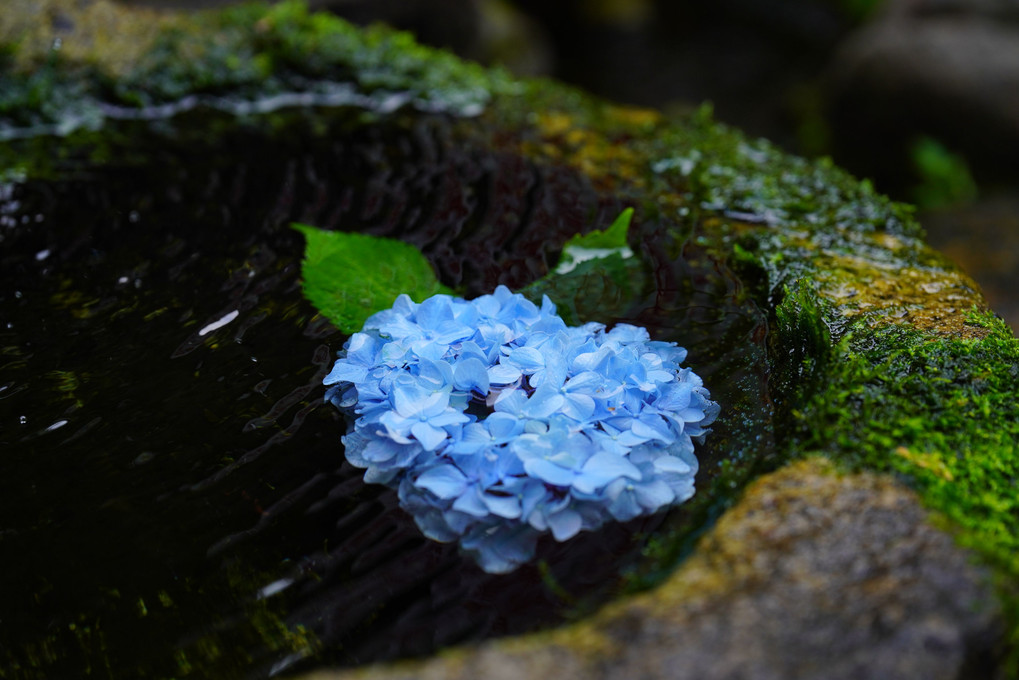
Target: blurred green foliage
<point>860,10</point>
<point>944,176</point>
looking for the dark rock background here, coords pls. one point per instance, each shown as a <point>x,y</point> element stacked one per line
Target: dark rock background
<point>921,96</point>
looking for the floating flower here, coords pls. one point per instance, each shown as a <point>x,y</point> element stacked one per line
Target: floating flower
<point>496,422</point>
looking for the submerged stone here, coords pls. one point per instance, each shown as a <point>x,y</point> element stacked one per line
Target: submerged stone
<point>150,278</point>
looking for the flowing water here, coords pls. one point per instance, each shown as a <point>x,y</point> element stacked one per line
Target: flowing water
<point>173,495</point>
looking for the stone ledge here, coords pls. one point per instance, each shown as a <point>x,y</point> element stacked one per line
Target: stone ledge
<point>813,574</point>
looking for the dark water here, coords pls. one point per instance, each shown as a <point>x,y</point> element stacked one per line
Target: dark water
<point>174,500</point>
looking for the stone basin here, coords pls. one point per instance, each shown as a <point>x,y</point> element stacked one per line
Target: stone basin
<point>174,490</point>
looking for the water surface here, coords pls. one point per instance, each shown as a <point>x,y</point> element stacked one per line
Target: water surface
<point>173,494</point>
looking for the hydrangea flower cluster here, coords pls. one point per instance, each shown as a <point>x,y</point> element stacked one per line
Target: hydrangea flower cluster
<point>496,422</point>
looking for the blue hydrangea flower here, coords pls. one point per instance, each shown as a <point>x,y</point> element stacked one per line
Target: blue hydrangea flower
<point>496,422</point>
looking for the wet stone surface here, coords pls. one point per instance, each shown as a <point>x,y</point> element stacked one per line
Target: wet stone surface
<point>813,575</point>
<point>173,485</point>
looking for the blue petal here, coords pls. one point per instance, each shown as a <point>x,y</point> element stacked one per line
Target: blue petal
<point>471,504</point>
<point>434,312</point>
<point>674,465</point>
<point>458,521</point>
<point>393,353</point>
<point>381,450</point>
<point>354,445</point>
<point>580,407</point>
<point>434,526</point>
<point>471,374</point>
<point>548,472</point>
<point>544,402</point>
<point>429,350</point>
<point>684,490</point>
<point>503,374</point>
<point>429,436</point>
<point>517,544</point>
<point>652,429</point>
<point>565,524</point>
<point>527,359</point>
<point>410,401</point>
<point>654,495</point>
<point>449,417</point>
<point>396,427</point>
<point>434,374</point>
<point>375,475</point>
<point>503,550</point>
<point>502,426</point>
<point>628,438</point>
<point>511,402</point>
<point>507,507</point>
<point>532,495</point>
<point>345,371</point>
<point>624,505</point>
<point>586,382</point>
<point>342,396</point>
<point>610,464</point>
<point>627,333</point>
<point>445,481</point>
<point>602,468</point>
<point>555,370</point>
<point>470,349</point>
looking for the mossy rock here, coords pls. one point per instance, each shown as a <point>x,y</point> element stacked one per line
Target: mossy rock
<point>866,376</point>
<point>810,576</point>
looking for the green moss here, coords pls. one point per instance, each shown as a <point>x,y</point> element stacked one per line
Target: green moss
<point>781,219</point>
<point>46,95</point>
<point>752,179</point>
<point>777,218</point>
<point>885,356</point>
<point>944,413</point>
<point>940,413</point>
<point>239,54</point>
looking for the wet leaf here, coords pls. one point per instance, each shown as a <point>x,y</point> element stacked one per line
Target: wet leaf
<point>611,238</point>
<point>597,277</point>
<point>597,245</point>
<point>348,276</point>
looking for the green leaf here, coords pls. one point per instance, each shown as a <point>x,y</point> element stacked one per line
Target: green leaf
<point>597,244</point>
<point>597,278</point>
<point>602,290</point>
<point>349,276</point>
<point>611,238</point>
